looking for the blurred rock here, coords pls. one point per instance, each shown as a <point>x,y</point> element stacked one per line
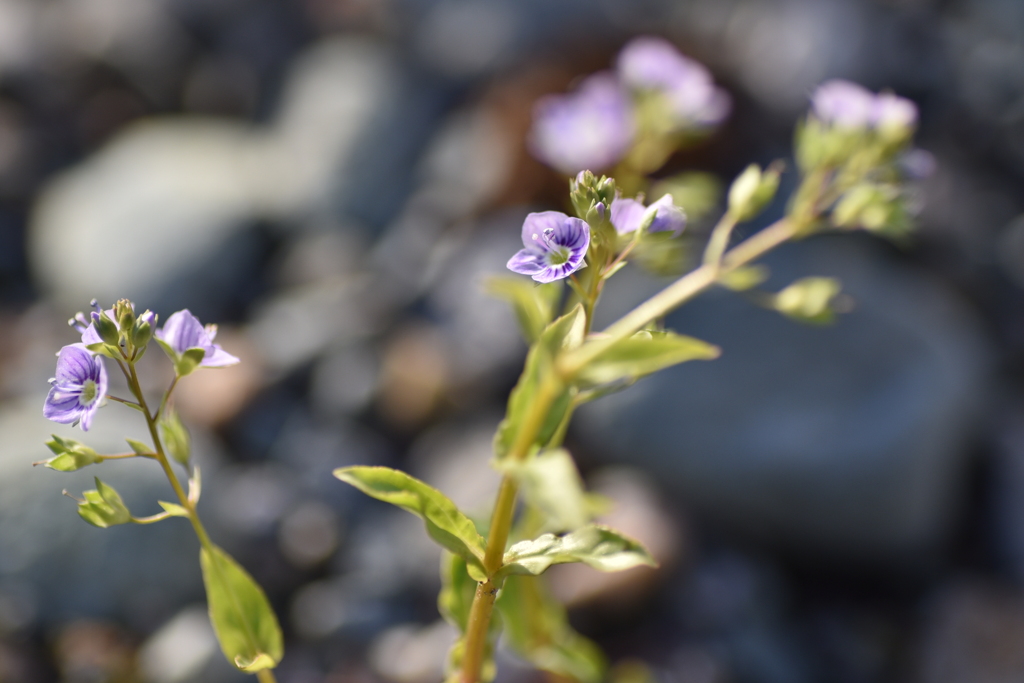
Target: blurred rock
<point>192,183</point>
<point>850,438</point>
<point>412,654</point>
<point>180,648</point>
<point>309,534</point>
<point>972,635</point>
<point>456,460</point>
<point>89,651</point>
<point>414,376</point>
<point>214,396</point>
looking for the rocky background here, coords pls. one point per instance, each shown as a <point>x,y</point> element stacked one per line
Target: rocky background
<point>331,179</point>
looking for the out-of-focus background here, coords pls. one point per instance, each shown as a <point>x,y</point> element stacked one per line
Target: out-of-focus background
<point>331,179</point>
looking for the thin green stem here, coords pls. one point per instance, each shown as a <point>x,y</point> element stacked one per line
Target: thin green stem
<point>266,676</point>
<point>678,293</point>
<point>719,240</point>
<point>125,456</point>
<point>167,396</point>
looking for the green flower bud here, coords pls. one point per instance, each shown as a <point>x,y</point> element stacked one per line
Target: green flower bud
<point>125,314</point>
<point>809,299</point>
<point>106,328</point>
<point>103,507</point>
<point>70,455</point>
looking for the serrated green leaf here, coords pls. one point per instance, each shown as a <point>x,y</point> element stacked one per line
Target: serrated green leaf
<point>533,304</point>
<point>103,507</point>
<point>446,524</point>
<point>598,546</point>
<point>537,628</point>
<point>566,332</point>
<point>242,618</point>
<point>175,436</point>
<point>550,483</point>
<point>743,278</point>
<point>641,355</point>
<point>173,509</point>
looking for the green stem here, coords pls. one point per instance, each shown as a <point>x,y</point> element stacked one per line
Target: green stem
<point>719,240</point>
<point>497,535</point>
<point>678,293</point>
<point>266,676</point>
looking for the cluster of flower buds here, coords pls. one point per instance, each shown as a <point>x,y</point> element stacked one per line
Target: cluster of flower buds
<point>655,92</point>
<point>115,331</point>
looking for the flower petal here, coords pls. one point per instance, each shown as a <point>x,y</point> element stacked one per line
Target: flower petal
<point>669,217</point>
<point>527,262</point>
<point>74,364</point>
<point>216,357</point>
<point>61,407</point>
<point>539,225</point>
<point>626,215</point>
<point>183,331</point>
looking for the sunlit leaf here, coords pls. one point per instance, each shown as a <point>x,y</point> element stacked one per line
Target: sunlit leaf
<point>595,545</point>
<point>70,455</point>
<point>175,437</point>
<point>103,507</point>
<point>446,524</point>
<point>643,354</point>
<point>240,613</point>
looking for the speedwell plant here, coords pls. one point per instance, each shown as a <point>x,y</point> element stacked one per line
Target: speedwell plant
<point>242,617</point>
<point>849,152</point>
<point>852,152</point>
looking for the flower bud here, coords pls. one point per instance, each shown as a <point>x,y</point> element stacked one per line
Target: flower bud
<point>106,328</point>
<point>752,191</point>
<point>124,312</point>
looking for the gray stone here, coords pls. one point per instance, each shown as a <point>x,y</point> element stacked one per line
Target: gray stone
<point>849,438</point>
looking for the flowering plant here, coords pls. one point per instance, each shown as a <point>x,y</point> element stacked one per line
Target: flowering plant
<point>242,617</point>
<point>849,152</point>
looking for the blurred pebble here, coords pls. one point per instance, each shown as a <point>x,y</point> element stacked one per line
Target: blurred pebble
<point>973,634</point>
<point>180,648</point>
<point>90,651</point>
<point>411,653</point>
<point>211,398</point>
<point>414,375</point>
<point>456,460</point>
<point>252,498</point>
<point>309,534</point>
<point>345,380</point>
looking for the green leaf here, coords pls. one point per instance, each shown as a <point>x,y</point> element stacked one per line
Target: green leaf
<point>139,447</point>
<point>564,333</point>
<point>533,304</point>
<point>188,361</point>
<point>103,507</point>
<point>809,300</point>
<point>173,509</point>
<point>643,354</point>
<point>175,437</point>
<point>743,278</point>
<point>240,613</point>
<point>596,545</point>
<point>537,628</point>
<point>457,591</point>
<point>550,483</point>
<point>71,455</point>
<point>446,524</point>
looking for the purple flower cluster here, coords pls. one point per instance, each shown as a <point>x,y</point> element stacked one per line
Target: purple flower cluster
<point>80,383</point>
<point>628,214</point>
<point>554,246</point>
<point>593,127</point>
<point>589,128</point>
<point>650,63</point>
<point>848,105</point>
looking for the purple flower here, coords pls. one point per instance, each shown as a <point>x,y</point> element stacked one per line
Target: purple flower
<point>555,246</point>
<point>589,128</point>
<point>78,387</point>
<point>649,63</point>
<point>183,331</point>
<point>628,214</point>
<point>892,111</point>
<point>87,326</point>
<point>844,104</point>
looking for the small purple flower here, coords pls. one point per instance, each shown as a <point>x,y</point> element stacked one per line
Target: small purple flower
<point>555,246</point>
<point>844,104</point>
<point>649,63</point>
<point>183,331</point>
<point>628,214</point>
<point>589,128</point>
<point>87,326</point>
<point>78,387</point>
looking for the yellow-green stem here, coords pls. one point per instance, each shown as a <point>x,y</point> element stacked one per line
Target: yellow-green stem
<point>266,676</point>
